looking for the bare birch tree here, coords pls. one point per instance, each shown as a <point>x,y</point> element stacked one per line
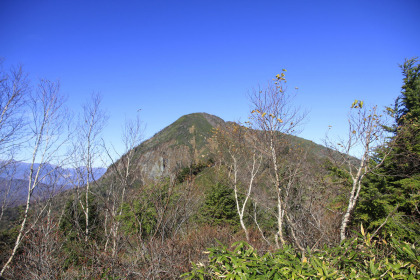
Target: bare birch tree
<point>14,90</point>
<point>243,161</point>
<point>87,151</point>
<point>124,174</point>
<point>273,118</point>
<point>365,136</point>
<point>40,257</point>
<point>47,123</point>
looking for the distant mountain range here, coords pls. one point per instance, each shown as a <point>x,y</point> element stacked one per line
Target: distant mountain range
<point>14,180</point>
<point>20,170</point>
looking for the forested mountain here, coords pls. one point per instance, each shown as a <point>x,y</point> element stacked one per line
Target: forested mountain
<point>190,140</point>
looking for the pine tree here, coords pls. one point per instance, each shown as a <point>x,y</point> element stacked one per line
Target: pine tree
<point>407,105</point>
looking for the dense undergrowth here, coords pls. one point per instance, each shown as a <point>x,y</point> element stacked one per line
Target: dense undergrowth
<point>362,257</point>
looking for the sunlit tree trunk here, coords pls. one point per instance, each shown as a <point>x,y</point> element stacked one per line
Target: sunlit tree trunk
<point>365,134</point>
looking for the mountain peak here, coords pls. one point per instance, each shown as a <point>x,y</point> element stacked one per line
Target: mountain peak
<point>212,119</point>
<point>180,144</point>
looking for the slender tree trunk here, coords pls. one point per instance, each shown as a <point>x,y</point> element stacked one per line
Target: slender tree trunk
<point>362,169</point>
<point>31,186</point>
<point>87,212</point>
<point>280,210</point>
<point>352,203</point>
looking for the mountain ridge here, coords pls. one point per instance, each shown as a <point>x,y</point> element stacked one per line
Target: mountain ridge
<point>187,141</point>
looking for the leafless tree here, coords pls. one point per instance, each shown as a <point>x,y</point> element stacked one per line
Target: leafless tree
<point>40,257</point>
<point>47,123</point>
<point>365,136</point>
<point>274,118</point>
<point>86,151</point>
<point>14,94</point>
<point>243,161</point>
<point>123,174</point>
<point>14,90</point>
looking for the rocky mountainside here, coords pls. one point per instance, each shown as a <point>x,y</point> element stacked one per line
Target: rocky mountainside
<point>188,141</point>
<point>184,142</point>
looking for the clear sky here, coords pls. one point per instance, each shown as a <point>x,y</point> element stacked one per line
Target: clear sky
<point>171,58</point>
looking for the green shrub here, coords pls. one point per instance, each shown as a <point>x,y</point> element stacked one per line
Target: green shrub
<point>219,207</point>
<point>138,218</point>
<point>358,258</point>
<point>187,173</point>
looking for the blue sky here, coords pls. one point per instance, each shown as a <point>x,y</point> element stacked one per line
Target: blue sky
<point>171,58</point>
